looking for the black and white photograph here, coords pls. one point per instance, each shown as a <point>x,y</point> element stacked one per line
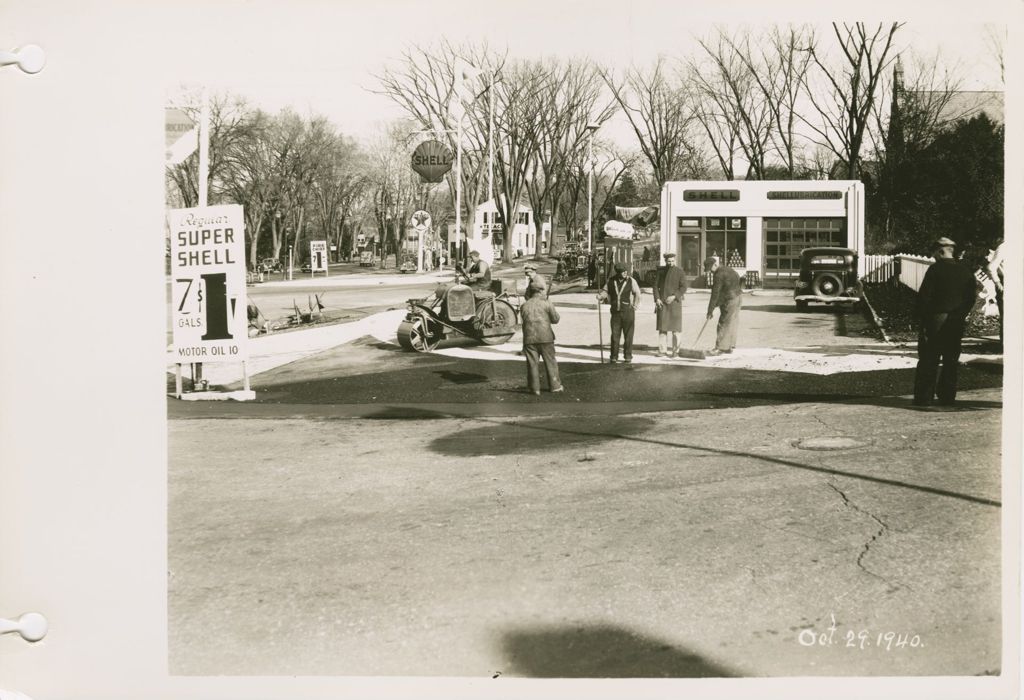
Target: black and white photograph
<point>509,350</point>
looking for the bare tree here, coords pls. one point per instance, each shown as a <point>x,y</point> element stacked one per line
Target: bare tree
<point>394,186</point>
<point>424,83</point>
<point>995,40</point>
<point>778,65</point>
<point>572,102</point>
<point>520,98</point>
<point>228,114</point>
<point>727,86</point>
<point>339,179</point>
<point>844,107</point>
<point>661,114</point>
<point>249,178</point>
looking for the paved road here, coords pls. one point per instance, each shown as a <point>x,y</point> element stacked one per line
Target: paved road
<point>679,544</point>
<point>384,512</point>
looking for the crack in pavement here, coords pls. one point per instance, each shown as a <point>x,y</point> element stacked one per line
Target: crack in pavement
<point>883,529</point>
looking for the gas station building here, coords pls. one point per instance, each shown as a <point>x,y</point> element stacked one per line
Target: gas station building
<point>759,226</point>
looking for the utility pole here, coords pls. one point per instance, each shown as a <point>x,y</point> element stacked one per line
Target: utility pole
<point>591,128</point>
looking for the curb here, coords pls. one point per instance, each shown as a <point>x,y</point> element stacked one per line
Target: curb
<point>876,319</point>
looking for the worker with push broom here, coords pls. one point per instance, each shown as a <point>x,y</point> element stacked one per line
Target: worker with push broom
<point>726,295</point>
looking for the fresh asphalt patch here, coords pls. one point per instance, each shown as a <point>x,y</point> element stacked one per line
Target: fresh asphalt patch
<point>353,380</point>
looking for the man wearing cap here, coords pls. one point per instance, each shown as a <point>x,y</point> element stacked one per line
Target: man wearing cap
<point>726,296</point>
<point>535,280</point>
<point>946,296</point>
<point>478,274</point>
<point>539,340</point>
<point>669,289</point>
<point>623,294</point>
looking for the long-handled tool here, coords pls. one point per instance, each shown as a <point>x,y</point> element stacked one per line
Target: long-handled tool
<point>695,354</point>
<point>600,330</point>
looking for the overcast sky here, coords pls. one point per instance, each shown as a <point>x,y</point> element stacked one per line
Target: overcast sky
<point>321,57</point>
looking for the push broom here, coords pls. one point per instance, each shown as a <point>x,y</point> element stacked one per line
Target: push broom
<point>694,354</point>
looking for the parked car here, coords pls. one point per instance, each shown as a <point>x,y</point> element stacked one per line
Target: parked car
<point>828,276</point>
<point>366,258</point>
<point>270,265</point>
<point>307,266</point>
<point>407,265</point>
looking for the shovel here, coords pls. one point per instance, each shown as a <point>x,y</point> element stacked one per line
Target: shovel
<point>695,354</point>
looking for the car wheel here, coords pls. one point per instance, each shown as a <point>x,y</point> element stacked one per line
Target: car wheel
<point>828,285</point>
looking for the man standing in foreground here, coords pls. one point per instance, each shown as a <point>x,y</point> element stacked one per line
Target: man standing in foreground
<point>623,293</point>
<point>669,289</point>
<point>946,296</point>
<point>539,340</point>
<point>727,296</point>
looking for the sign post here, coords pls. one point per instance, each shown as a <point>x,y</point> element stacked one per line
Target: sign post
<point>420,224</point>
<point>318,257</point>
<point>208,299</point>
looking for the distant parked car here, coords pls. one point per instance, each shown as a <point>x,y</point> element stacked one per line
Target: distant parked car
<point>828,276</point>
<point>307,266</point>
<point>407,266</point>
<point>366,258</point>
<point>270,265</point>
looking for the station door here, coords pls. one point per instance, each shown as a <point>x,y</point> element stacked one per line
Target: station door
<point>785,238</point>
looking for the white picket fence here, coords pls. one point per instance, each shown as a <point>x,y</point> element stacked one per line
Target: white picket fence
<point>877,268</point>
<point>883,268</point>
<point>912,269</point>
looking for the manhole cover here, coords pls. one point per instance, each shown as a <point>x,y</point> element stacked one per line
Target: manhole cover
<point>830,443</point>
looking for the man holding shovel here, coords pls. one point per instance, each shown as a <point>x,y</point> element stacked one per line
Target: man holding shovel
<point>727,295</point>
<point>623,294</point>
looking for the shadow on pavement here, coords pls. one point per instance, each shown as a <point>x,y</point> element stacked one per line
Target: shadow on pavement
<point>539,434</point>
<point>600,651</point>
<point>501,437</point>
<point>791,309</point>
<point>461,377</point>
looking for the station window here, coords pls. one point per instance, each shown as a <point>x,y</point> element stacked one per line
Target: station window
<point>785,238</point>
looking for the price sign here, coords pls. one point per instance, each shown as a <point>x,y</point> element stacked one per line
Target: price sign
<point>208,304</point>
<point>318,255</point>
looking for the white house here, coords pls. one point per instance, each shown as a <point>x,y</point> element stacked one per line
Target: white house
<point>487,234</point>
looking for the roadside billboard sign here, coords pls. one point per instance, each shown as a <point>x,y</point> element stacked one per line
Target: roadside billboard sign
<point>182,136</point>
<point>208,300</point>
<point>318,255</point>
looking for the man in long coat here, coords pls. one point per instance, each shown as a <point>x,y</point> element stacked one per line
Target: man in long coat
<point>669,290</point>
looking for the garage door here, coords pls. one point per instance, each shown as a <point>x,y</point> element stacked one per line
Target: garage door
<point>785,238</point>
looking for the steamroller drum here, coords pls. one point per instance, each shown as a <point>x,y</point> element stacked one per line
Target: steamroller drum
<point>413,335</point>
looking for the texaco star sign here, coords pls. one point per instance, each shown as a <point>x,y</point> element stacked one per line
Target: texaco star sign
<point>421,221</point>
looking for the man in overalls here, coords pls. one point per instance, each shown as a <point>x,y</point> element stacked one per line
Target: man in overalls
<point>623,294</point>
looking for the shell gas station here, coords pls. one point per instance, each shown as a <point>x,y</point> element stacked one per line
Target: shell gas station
<point>759,227</point>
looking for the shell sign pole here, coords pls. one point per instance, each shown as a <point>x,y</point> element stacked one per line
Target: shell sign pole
<point>208,304</point>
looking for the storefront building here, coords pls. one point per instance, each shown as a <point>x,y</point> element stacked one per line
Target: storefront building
<point>759,226</point>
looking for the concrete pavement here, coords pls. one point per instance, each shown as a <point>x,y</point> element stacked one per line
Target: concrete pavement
<point>682,544</point>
